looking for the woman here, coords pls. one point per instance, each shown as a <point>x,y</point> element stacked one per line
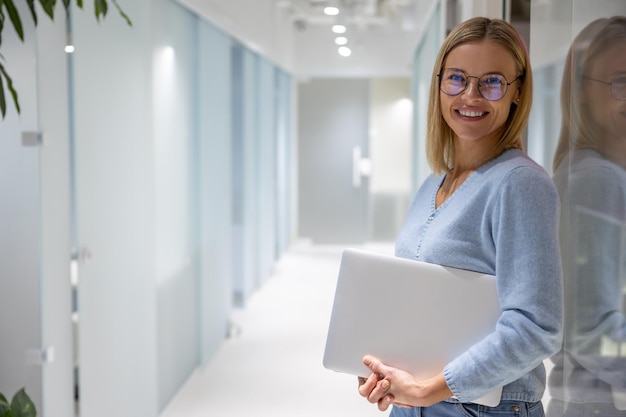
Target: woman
<point>487,207</point>
<point>589,376</point>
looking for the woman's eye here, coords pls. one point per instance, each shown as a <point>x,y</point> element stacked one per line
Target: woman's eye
<point>492,81</point>
<point>621,80</point>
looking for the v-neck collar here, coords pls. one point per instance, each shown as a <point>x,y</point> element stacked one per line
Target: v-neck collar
<point>482,168</point>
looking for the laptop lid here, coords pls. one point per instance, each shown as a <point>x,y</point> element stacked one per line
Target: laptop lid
<point>430,315</point>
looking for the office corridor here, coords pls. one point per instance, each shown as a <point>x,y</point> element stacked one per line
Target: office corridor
<point>272,364</point>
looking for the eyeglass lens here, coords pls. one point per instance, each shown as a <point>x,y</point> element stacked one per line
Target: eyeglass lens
<point>491,86</point>
<point>618,87</point>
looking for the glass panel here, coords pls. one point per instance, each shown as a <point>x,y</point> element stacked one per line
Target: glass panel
<point>574,42</point>
<point>115,217</point>
<point>251,166</point>
<point>56,301</point>
<point>20,227</point>
<point>266,208</point>
<point>215,185</point>
<point>245,173</point>
<point>283,165</point>
<point>423,68</point>
<point>175,218</point>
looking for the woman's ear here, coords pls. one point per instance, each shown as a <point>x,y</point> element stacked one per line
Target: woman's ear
<point>516,97</point>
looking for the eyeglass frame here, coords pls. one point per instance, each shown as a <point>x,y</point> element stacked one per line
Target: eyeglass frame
<point>467,77</point>
<point>609,83</point>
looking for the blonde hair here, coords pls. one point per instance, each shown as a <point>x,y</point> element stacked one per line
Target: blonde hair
<point>577,126</point>
<point>440,138</point>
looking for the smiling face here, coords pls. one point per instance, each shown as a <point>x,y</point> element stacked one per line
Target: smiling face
<point>470,116</point>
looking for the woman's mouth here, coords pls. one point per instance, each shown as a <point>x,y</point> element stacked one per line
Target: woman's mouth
<point>466,113</point>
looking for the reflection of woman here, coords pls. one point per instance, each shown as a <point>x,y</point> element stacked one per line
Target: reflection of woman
<point>589,377</point>
<point>489,208</point>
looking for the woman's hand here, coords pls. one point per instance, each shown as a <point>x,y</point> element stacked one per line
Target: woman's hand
<point>388,385</point>
<point>374,389</point>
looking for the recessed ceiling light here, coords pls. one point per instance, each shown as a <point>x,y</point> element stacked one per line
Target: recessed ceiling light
<point>339,29</point>
<point>345,51</point>
<point>331,11</point>
<point>341,40</point>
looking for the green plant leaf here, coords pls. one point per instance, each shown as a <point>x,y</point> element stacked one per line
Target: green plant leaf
<point>22,405</point>
<point>124,15</point>
<point>5,407</point>
<point>15,18</point>
<point>33,11</point>
<point>79,3</point>
<point>3,103</point>
<point>101,7</point>
<point>48,7</point>
<point>11,90</point>
<point>1,21</point>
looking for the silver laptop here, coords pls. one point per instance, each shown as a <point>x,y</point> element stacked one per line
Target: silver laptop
<point>411,315</point>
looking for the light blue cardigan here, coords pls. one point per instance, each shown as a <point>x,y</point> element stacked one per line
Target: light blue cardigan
<point>503,220</point>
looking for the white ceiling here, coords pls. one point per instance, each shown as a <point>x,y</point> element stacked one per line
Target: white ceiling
<point>296,34</point>
<point>359,13</point>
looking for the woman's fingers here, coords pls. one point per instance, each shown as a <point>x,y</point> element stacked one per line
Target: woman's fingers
<point>366,386</point>
<point>378,393</point>
<point>385,402</point>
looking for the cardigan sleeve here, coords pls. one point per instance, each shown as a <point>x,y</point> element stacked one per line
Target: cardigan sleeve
<point>524,222</point>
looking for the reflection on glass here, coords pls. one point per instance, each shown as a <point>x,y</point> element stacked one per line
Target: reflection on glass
<point>589,376</point>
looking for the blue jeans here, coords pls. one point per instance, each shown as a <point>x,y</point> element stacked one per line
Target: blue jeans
<point>452,409</point>
<point>557,408</point>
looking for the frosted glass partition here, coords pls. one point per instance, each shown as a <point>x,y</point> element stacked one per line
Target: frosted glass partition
<point>245,173</point>
<point>20,228</point>
<point>545,118</point>
<point>423,68</point>
<point>174,69</point>
<point>267,195</point>
<point>583,131</point>
<point>115,199</point>
<point>283,155</point>
<point>215,185</point>
<point>250,121</point>
<point>237,170</point>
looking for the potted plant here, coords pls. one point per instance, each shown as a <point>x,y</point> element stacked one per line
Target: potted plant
<point>20,406</point>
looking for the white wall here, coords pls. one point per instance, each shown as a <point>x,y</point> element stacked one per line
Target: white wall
<point>391,110</point>
<point>486,8</point>
<point>390,150</point>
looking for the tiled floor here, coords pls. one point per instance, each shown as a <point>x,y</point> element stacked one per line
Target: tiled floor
<point>273,365</point>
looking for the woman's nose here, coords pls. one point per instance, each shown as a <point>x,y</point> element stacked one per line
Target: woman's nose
<point>471,88</point>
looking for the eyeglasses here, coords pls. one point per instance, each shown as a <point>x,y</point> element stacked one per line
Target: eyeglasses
<point>618,86</point>
<point>453,81</point>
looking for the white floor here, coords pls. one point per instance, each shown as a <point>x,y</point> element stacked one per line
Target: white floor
<point>273,366</point>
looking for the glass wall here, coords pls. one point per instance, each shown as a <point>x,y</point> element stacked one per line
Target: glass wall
<point>174,144</point>
<point>578,132</point>
<point>283,163</point>
<point>214,144</point>
<point>176,208</point>
<point>422,71</point>
<point>35,347</point>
